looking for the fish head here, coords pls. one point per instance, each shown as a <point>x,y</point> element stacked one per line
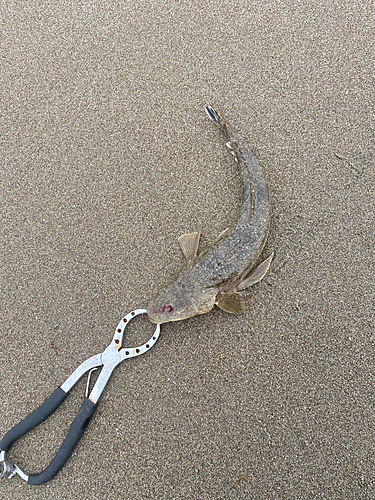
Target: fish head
<point>180,301</point>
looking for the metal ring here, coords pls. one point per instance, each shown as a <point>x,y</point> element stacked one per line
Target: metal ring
<point>130,352</point>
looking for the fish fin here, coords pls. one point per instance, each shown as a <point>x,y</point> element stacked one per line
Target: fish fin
<point>222,235</point>
<point>257,275</point>
<point>233,302</point>
<point>189,244</point>
<point>215,117</point>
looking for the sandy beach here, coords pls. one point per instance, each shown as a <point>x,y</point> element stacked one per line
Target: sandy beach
<point>107,157</point>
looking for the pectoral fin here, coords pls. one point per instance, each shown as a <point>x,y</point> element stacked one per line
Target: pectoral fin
<point>189,244</point>
<point>233,302</point>
<point>257,275</point>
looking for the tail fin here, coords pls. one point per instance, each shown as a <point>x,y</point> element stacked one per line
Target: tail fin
<point>215,117</point>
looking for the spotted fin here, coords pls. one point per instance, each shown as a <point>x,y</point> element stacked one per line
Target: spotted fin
<point>257,275</point>
<point>189,244</point>
<point>233,302</point>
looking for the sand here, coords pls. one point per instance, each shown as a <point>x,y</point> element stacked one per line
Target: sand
<point>106,158</point>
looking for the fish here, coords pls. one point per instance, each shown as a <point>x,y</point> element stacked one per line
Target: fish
<point>222,274</point>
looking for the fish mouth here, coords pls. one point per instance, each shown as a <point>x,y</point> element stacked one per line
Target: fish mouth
<point>160,317</point>
<point>154,321</point>
<point>158,321</point>
<point>162,314</point>
<point>156,316</point>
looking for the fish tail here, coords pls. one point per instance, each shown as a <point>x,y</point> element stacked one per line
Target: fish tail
<point>215,117</point>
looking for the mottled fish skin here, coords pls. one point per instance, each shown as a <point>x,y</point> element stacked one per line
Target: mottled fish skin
<point>218,275</point>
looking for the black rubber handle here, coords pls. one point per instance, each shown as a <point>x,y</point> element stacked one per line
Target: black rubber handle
<point>32,420</point>
<point>76,430</point>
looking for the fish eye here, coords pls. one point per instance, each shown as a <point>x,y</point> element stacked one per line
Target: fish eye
<point>167,308</point>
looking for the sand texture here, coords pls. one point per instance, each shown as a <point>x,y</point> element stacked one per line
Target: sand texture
<point>107,157</point>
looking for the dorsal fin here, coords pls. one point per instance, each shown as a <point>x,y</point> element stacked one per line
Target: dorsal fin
<point>189,244</point>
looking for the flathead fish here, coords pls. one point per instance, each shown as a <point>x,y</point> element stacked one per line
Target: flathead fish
<point>222,274</point>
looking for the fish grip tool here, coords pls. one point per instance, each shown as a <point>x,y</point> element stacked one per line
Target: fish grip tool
<point>113,355</point>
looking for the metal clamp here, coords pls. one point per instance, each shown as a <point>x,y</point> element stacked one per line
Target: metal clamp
<point>108,360</point>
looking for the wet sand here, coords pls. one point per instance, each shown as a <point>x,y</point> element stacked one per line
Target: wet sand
<point>107,158</point>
